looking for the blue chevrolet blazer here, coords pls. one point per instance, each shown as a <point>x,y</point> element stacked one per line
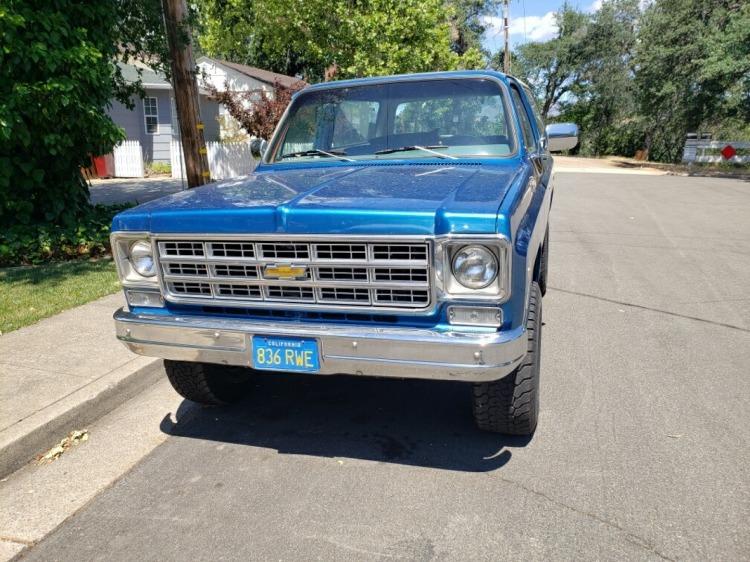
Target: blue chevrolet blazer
<point>394,227</point>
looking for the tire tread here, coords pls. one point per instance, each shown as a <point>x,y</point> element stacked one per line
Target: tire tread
<point>511,405</point>
<point>205,383</point>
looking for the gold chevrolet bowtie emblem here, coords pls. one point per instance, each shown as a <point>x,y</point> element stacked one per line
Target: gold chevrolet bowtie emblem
<point>285,271</point>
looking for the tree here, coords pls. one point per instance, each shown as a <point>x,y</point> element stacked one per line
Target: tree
<point>57,76</point>
<point>602,99</point>
<point>692,69</point>
<point>636,80</point>
<point>359,37</point>
<point>55,81</point>
<point>257,111</point>
<point>467,26</point>
<point>553,67</point>
<point>138,34</point>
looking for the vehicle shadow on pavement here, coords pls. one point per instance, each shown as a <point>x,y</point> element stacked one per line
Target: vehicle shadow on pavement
<point>410,422</point>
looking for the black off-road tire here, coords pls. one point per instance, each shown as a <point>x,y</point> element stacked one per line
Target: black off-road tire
<point>543,264</point>
<point>511,405</point>
<point>206,383</point>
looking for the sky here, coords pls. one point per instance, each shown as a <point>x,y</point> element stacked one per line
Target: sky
<point>530,20</point>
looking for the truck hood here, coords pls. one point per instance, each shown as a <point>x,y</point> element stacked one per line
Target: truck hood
<point>384,198</point>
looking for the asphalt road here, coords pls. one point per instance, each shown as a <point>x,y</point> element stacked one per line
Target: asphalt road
<point>641,453</point>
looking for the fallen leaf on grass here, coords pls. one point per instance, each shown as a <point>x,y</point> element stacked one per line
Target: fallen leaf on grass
<point>73,438</point>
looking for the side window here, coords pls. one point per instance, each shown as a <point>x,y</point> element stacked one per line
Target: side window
<point>528,133</point>
<point>301,131</point>
<point>535,110</point>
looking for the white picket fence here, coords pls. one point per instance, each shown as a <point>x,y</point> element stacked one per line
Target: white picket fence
<point>225,160</point>
<point>709,151</point>
<point>128,159</point>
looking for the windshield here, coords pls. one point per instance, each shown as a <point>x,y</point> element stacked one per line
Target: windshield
<point>426,119</point>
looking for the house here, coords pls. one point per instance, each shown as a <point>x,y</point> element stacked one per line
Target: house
<point>237,77</point>
<point>153,119</point>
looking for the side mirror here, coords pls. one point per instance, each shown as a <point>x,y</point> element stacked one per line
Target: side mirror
<point>258,148</point>
<point>561,136</point>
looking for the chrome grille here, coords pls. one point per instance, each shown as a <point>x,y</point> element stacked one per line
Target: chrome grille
<point>283,292</point>
<point>399,274</point>
<point>232,249</point>
<point>344,294</point>
<point>231,290</point>
<point>187,288</point>
<point>238,271</point>
<point>342,273</point>
<point>182,249</point>
<point>191,269</point>
<point>397,252</point>
<point>341,251</point>
<point>277,251</point>
<point>401,296</point>
<point>322,274</point>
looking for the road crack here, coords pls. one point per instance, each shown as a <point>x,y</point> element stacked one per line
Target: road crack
<point>651,309</point>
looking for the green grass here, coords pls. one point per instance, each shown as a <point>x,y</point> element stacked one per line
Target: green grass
<point>28,294</point>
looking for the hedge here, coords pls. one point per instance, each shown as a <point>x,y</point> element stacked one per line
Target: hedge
<point>27,244</point>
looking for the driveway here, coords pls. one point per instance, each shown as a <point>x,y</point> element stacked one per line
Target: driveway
<point>642,450</point>
<point>133,190</point>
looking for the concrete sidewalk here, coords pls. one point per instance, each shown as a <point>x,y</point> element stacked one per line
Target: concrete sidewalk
<point>62,374</point>
<point>607,165</point>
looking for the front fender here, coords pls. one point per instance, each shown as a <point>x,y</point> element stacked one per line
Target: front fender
<point>529,211</point>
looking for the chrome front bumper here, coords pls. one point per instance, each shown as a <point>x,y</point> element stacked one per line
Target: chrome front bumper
<point>355,350</point>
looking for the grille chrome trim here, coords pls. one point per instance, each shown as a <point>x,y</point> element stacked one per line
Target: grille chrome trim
<point>345,273</point>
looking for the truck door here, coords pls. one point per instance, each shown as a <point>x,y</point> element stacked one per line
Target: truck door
<point>533,134</point>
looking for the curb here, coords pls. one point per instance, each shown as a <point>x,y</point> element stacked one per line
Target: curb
<point>20,443</point>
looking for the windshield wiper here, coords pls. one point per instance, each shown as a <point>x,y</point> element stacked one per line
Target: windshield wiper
<point>317,152</point>
<point>417,147</point>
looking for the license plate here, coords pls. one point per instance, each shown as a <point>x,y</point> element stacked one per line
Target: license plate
<point>285,354</point>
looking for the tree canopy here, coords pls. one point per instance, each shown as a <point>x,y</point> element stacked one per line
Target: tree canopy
<point>354,37</point>
<point>692,71</point>
<point>641,80</point>
<point>57,77</point>
<point>55,81</point>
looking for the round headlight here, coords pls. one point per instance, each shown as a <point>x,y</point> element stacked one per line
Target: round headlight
<point>142,259</point>
<point>475,267</point>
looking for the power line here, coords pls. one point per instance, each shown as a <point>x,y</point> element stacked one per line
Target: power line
<point>506,30</point>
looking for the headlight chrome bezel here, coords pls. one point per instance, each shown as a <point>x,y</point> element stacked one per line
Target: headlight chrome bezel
<point>497,291</point>
<point>122,245</point>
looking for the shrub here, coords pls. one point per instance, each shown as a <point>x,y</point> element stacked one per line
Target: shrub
<point>158,168</point>
<point>25,244</point>
<point>256,111</point>
<point>55,82</point>
<point>57,78</point>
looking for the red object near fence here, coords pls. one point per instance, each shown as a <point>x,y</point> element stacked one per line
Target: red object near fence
<point>105,166</point>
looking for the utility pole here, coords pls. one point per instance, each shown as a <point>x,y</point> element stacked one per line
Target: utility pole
<point>186,92</point>
<point>506,30</point>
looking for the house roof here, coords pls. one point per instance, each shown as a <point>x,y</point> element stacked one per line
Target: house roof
<point>263,75</point>
<point>149,78</point>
